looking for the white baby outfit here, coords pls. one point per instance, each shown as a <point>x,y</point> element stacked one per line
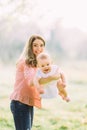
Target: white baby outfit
<point>50,89</point>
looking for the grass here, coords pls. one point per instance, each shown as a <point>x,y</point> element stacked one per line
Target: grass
<point>59,115</point>
<point>55,114</point>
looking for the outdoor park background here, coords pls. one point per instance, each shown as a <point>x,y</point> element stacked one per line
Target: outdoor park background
<point>63,25</point>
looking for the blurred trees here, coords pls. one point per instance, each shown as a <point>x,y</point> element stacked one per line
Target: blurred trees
<point>20,19</point>
<point>76,48</point>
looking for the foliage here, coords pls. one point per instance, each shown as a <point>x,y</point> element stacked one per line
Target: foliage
<point>10,52</point>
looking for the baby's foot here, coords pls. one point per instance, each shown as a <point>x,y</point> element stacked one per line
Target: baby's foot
<point>67,99</point>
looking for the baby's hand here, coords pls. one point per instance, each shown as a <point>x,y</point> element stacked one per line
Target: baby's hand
<point>41,91</point>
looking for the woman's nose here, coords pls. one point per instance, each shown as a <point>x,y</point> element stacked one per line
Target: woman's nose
<point>39,48</point>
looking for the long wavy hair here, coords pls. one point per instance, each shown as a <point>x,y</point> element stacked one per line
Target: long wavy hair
<point>29,56</point>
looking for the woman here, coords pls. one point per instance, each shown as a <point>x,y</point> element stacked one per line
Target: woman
<point>25,96</point>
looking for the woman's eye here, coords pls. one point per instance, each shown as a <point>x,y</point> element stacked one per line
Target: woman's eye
<point>41,45</point>
<point>35,45</point>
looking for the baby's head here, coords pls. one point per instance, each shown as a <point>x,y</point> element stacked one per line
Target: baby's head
<point>44,62</point>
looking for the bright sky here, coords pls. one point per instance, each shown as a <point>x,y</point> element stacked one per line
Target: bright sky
<point>72,12</point>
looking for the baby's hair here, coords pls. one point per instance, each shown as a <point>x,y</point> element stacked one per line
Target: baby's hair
<point>43,56</point>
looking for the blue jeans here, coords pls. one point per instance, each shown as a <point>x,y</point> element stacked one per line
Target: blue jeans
<point>22,114</point>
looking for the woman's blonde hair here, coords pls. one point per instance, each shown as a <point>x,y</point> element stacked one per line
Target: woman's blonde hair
<point>28,54</point>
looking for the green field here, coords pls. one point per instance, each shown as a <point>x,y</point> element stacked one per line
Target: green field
<point>56,114</point>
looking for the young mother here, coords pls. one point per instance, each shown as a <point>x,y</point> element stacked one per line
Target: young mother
<point>24,96</point>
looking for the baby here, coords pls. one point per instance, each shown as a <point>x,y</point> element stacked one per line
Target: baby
<point>45,69</point>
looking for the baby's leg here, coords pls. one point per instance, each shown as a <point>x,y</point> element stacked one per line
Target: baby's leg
<point>62,91</point>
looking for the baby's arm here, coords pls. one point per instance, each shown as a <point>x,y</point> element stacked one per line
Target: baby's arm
<point>48,79</point>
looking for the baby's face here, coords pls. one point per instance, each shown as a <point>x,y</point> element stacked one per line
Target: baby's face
<point>45,65</point>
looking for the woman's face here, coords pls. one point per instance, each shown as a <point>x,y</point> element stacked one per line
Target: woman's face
<point>38,46</point>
